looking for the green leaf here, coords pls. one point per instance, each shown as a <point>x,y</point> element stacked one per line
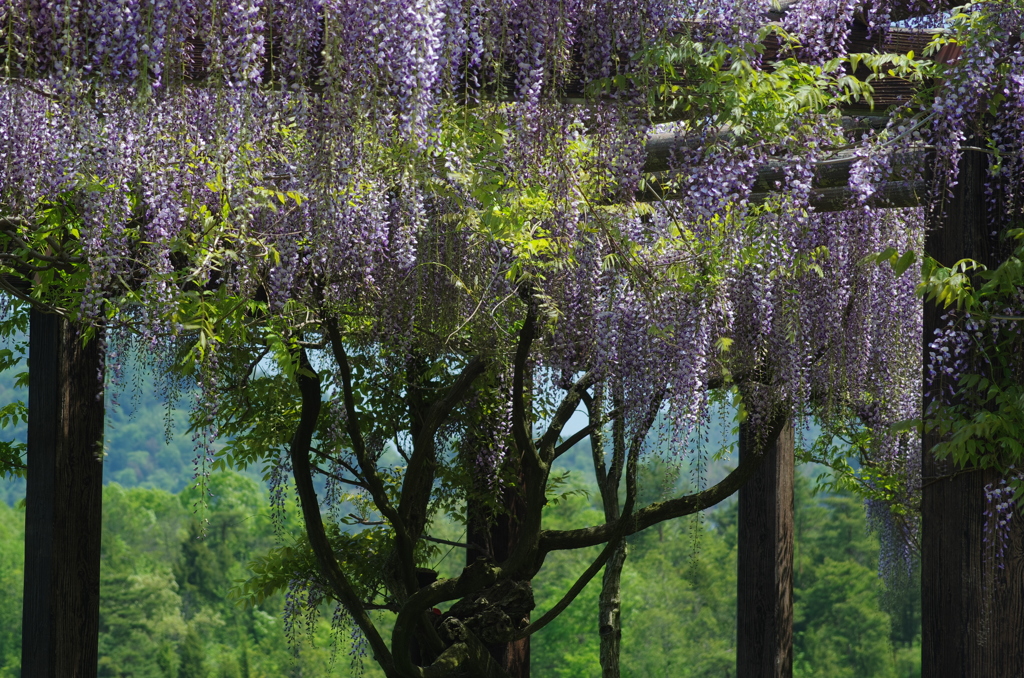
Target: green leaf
<point>904,262</point>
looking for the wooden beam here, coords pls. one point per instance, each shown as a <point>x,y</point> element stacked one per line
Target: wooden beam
<point>661,146</point>
<point>889,195</point>
<point>764,581</point>
<point>831,177</point>
<point>901,10</point>
<point>60,623</point>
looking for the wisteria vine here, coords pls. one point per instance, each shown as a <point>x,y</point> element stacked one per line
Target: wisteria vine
<point>390,188</point>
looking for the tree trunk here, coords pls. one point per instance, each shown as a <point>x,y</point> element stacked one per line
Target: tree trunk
<point>610,611</point>
<point>609,620</point>
<point>764,615</point>
<point>497,538</point>
<point>63,503</point>
<point>972,609</point>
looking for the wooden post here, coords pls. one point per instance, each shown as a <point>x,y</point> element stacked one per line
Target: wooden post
<point>60,626</point>
<point>764,602</point>
<point>972,611</point>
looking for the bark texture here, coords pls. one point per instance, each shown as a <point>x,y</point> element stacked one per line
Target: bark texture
<point>610,614</point>
<point>63,504</point>
<point>764,614</point>
<point>610,600</point>
<point>496,538</point>
<point>972,607</point>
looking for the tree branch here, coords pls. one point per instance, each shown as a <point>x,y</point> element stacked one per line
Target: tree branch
<point>562,415</point>
<point>595,428</point>
<point>341,462</point>
<point>567,444</point>
<point>520,426</point>
<point>342,479</point>
<point>574,590</point>
<point>622,525</point>
<point>368,466</point>
<point>556,540</point>
<point>309,387</point>
<point>440,410</point>
<point>422,470</point>
<point>425,537</point>
<point>404,541</point>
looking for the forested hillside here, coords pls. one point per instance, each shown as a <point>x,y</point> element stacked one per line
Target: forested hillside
<point>138,450</point>
<point>168,607</point>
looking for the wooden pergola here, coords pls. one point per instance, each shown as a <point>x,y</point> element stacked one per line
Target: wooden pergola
<point>960,589</point>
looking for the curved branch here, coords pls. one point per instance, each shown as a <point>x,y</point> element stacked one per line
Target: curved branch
<point>309,387</point>
<point>340,479</point>
<point>567,444</point>
<point>558,540</point>
<point>422,469</point>
<point>595,428</point>
<point>368,467</point>
<point>622,525</point>
<point>574,590</point>
<point>439,411</point>
<point>520,426</point>
<point>404,542</point>
<point>562,415</point>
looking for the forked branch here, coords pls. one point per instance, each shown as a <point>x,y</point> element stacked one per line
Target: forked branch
<point>309,387</point>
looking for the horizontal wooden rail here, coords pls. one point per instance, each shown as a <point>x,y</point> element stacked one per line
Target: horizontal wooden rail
<point>901,10</point>
<point>661,146</point>
<point>888,195</point>
<point>831,179</point>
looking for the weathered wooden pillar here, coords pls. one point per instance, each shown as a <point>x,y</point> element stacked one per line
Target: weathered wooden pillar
<point>63,503</point>
<point>764,601</point>
<point>972,607</point>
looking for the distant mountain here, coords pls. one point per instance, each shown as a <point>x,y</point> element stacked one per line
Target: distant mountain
<point>138,450</point>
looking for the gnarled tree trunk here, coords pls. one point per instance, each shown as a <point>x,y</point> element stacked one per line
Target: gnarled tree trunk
<point>496,537</point>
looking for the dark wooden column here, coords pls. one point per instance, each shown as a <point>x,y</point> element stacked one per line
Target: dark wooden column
<point>63,503</point>
<point>764,614</point>
<point>972,611</point>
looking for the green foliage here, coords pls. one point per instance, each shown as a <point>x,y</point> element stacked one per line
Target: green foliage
<point>854,638</point>
<point>140,619</point>
<point>166,609</point>
<point>138,450</point>
<point>844,452</point>
<point>679,605</point>
<point>981,423</point>
<point>841,625</point>
<point>700,80</point>
<point>192,654</point>
<point>12,554</point>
